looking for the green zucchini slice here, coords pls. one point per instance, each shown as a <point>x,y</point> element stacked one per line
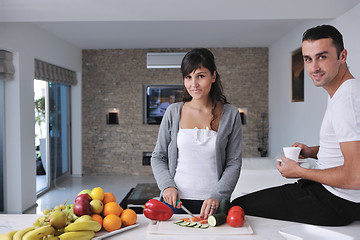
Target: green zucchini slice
<point>217,219</point>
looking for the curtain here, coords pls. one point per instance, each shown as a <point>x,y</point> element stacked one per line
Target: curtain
<point>7,69</point>
<point>52,73</point>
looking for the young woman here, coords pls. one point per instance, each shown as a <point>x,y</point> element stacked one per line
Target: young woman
<point>197,157</point>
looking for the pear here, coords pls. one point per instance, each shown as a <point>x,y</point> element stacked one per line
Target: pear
<point>57,219</point>
<point>88,191</point>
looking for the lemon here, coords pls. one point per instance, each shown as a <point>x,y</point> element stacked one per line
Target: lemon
<point>97,193</point>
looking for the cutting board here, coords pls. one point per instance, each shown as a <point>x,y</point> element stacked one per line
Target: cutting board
<point>169,228</point>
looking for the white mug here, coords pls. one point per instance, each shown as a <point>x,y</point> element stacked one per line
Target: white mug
<point>292,152</point>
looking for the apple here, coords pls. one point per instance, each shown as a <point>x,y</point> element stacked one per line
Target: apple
<point>83,197</point>
<point>82,207</point>
<point>97,206</point>
<point>88,191</point>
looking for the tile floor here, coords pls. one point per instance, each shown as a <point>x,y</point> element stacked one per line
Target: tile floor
<point>256,174</point>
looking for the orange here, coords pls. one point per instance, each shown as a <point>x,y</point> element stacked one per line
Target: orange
<point>128,217</point>
<point>111,222</point>
<point>97,193</point>
<point>112,208</point>
<point>97,218</point>
<point>109,197</point>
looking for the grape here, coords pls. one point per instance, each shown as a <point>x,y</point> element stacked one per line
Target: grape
<point>44,220</point>
<point>46,211</point>
<point>36,223</point>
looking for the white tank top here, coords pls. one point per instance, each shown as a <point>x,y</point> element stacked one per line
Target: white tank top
<point>196,167</point>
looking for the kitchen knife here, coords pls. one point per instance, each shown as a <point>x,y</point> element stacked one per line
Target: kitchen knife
<point>187,211</point>
<point>184,208</point>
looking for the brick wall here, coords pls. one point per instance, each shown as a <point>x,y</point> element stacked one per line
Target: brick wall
<point>114,78</point>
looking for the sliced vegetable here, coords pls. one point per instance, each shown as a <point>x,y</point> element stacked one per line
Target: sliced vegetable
<point>184,224</point>
<point>204,221</point>
<point>197,225</point>
<point>186,219</point>
<point>196,219</point>
<point>217,219</point>
<point>193,224</point>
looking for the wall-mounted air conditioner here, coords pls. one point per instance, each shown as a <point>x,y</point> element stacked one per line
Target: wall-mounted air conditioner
<point>164,59</point>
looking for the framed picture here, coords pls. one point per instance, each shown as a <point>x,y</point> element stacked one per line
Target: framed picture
<point>297,75</point>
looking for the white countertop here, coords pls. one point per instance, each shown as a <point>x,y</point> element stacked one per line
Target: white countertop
<point>263,228</point>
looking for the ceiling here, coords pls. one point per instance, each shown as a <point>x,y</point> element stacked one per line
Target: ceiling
<point>106,24</point>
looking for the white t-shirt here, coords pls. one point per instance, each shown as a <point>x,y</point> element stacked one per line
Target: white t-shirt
<point>341,123</point>
<point>196,167</point>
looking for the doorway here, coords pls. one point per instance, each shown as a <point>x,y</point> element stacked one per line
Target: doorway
<point>52,133</point>
<point>41,135</point>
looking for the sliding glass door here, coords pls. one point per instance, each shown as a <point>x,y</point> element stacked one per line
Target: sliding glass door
<point>52,133</point>
<point>59,129</point>
<point>41,135</point>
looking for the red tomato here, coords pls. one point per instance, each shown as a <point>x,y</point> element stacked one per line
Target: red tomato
<point>235,219</point>
<point>236,209</point>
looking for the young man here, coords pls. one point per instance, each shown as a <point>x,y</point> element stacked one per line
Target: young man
<point>329,194</point>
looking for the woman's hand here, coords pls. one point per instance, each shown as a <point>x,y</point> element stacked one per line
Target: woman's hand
<point>209,207</point>
<point>170,196</point>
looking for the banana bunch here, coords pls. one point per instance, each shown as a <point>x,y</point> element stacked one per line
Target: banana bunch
<point>78,235</point>
<point>83,226</point>
<point>38,233</point>
<point>8,235</point>
<point>81,230</point>
<point>29,233</point>
<point>19,234</point>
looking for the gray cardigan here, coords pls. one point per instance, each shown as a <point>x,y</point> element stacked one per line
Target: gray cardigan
<point>228,151</point>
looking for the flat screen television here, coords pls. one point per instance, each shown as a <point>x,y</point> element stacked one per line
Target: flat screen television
<point>156,100</point>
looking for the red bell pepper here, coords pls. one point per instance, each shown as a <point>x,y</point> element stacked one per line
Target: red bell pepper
<point>156,210</point>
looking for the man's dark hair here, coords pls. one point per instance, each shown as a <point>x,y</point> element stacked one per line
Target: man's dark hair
<point>325,31</point>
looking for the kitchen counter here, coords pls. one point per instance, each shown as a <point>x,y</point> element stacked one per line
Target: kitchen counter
<point>262,228</point>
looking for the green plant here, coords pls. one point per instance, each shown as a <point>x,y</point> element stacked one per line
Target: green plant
<point>40,111</point>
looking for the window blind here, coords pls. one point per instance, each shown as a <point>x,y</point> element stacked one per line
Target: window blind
<point>52,73</point>
<point>7,69</point>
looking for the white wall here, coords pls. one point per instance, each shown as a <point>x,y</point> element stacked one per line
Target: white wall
<point>348,24</point>
<point>28,42</point>
<point>295,121</point>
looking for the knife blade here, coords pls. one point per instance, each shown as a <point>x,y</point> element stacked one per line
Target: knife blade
<point>187,211</point>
